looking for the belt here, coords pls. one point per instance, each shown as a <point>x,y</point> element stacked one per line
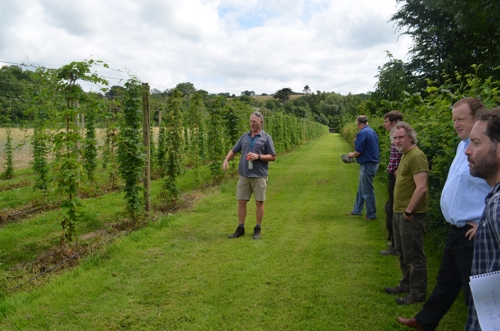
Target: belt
<point>456,228</point>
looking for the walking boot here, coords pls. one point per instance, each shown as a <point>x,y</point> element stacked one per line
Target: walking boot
<point>240,231</point>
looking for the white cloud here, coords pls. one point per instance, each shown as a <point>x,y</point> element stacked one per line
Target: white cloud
<point>218,45</point>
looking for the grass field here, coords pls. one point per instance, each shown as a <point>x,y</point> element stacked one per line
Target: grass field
<point>269,97</point>
<point>315,267</point>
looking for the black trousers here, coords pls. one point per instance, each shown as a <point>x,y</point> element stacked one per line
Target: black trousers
<point>453,274</point>
<point>388,207</point>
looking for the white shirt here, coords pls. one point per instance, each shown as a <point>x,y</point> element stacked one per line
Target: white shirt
<point>462,198</point>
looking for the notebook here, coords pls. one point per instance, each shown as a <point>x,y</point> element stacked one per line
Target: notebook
<point>485,290</point>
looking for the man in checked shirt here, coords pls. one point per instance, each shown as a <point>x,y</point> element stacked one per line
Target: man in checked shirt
<point>483,155</point>
<point>390,119</point>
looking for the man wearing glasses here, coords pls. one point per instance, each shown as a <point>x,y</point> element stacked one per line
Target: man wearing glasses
<point>257,150</point>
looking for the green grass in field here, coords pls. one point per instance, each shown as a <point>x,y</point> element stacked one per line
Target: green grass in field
<point>315,267</point>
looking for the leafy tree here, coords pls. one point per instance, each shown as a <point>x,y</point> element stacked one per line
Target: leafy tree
<point>449,36</point>
<point>186,88</point>
<point>15,85</point>
<point>306,90</point>
<point>248,93</point>
<point>283,95</point>
<point>393,79</point>
<point>114,92</point>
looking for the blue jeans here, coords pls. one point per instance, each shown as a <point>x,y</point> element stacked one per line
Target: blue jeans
<point>366,193</point>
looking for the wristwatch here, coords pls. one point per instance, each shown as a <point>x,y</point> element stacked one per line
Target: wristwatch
<point>259,156</point>
<point>407,213</point>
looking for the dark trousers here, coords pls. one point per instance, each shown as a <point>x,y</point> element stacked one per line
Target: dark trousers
<point>453,274</point>
<point>388,207</point>
<point>409,245</point>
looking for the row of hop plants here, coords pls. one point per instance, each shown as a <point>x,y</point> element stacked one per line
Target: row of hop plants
<point>430,114</point>
<point>196,134</point>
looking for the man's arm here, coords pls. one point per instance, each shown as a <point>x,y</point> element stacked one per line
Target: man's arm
<point>420,180</point>
<point>354,154</point>
<point>263,157</point>
<point>228,158</point>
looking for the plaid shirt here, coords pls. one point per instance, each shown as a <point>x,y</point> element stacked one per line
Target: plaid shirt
<point>394,159</point>
<point>486,248</point>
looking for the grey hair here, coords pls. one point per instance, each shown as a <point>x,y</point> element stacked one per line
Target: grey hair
<point>258,114</point>
<point>410,131</point>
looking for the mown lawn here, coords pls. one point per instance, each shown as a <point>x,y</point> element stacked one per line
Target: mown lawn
<point>315,267</point>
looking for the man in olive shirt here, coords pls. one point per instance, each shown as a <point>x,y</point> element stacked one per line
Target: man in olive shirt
<point>410,206</point>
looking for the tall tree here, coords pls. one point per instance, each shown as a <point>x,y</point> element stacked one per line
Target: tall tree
<point>283,95</point>
<point>450,36</point>
<point>306,90</point>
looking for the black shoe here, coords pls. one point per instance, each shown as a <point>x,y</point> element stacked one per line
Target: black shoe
<point>396,290</point>
<point>240,231</point>
<point>408,300</point>
<point>256,232</point>
<point>389,251</point>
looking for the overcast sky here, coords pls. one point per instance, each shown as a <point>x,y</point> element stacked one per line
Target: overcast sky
<point>218,45</point>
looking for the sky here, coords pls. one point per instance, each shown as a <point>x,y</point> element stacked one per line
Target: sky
<point>217,45</point>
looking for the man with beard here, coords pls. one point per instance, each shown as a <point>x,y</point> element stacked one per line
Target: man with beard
<point>410,207</point>
<point>483,155</point>
<point>462,206</point>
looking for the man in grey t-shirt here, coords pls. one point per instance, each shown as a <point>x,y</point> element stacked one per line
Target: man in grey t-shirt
<point>257,150</point>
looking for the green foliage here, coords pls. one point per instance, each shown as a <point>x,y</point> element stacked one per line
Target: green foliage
<point>449,36</point>
<point>14,93</point>
<point>42,106</point>
<point>174,130</point>
<point>283,95</point>
<point>9,164</point>
<point>196,126</point>
<point>67,165</point>
<point>90,148</point>
<point>215,141</point>
<point>130,148</point>
<point>109,147</point>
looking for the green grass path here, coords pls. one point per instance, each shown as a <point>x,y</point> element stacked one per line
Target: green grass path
<point>315,267</point>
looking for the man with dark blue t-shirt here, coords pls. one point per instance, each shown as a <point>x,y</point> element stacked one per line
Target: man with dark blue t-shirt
<point>367,154</point>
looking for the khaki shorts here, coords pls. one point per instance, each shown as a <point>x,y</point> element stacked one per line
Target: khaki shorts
<point>247,186</point>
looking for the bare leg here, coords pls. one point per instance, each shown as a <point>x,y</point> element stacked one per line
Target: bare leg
<point>259,211</point>
<point>242,211</point>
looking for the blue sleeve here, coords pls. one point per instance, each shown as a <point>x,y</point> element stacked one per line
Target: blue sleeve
<point>359,143</point>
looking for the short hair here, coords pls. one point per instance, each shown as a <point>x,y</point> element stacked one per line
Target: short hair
<point>362,119</point>
<point>410,131</point>
<point>492,118</point>
<point>475,105</point>
<point>394,116</point>
<point>259,115</point>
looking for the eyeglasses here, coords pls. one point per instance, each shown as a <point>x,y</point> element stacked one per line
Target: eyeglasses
<point>257,114</point>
